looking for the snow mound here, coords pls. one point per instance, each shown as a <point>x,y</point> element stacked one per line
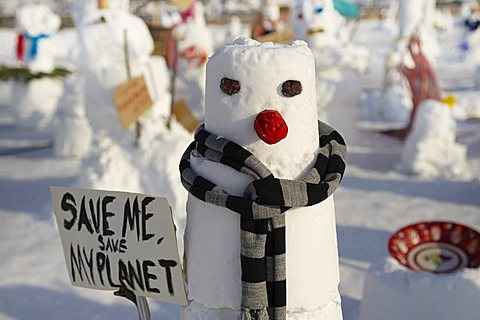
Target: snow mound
<point>392,292</point>
<point>430,149</point>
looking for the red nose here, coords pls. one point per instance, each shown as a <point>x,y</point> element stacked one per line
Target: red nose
<point>270,126</point>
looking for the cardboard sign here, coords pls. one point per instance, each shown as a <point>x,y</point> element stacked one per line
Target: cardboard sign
<point>184,115</point>
<point>283,37</point>
<point>182,5</point>
<point>119,239</point>
<point>132,99</point>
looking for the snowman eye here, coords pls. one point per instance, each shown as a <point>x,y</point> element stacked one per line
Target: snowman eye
<point>318,9</point>
<point>291,88</point>
<point>229,86</point>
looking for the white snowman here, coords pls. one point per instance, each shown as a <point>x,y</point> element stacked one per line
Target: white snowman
<point>113,162</point>
<point>36,101</point>
<point>339,67</point>
<point>431,149</point>
<point>194,46</point>
<point>103,42</point>
<point>245,82</point>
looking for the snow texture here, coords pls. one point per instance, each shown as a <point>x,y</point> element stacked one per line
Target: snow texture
<point>394,293</point>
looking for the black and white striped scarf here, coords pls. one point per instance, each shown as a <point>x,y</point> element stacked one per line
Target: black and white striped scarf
<point>264,293</point>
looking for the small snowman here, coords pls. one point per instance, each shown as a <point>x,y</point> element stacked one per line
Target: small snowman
<point>35,101</point>
<point>431,149</point>
<point>255,236</point>
<point>339,67</point>
<point>194,46</point>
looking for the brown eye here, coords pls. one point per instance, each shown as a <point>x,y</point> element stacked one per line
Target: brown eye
<point>291,88</point>
<point>229,86</point>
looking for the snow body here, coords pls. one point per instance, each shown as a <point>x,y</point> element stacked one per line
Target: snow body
<point>431,148</point>
<point>212,240</point>
<point>73,133</point>
<point>395,293</point>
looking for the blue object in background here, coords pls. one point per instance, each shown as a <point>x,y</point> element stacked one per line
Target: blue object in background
<point>347,9</point>
<point>32,54</point>
<point>464,46</point>
<point>319,10</point>
<point>472,25</point>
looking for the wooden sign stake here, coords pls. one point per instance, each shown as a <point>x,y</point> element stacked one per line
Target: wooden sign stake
<point>138,128</point>
<point>172,80</point>
<point>103,4</point>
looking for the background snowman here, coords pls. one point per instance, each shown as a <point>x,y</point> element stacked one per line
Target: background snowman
<point>35,100</point>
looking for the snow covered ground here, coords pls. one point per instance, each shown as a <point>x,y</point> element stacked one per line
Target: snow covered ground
<point>374,201</point>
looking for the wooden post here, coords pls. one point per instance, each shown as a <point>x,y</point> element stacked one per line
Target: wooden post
<point>103,4</point>
<point>172,80</point>
<point>138,127</point>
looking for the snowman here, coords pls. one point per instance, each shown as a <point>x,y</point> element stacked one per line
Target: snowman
<point>194,46</point>
<point>431,149</point>
<point>105,36</point>
<point>327,20</point>
<point>113,162</point>
<point>260,123</point>
<point>339,67</point>
<point>36,101</point>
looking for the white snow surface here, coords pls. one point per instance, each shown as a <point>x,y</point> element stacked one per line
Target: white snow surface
<point>392,292</point>
<point>373,201</point>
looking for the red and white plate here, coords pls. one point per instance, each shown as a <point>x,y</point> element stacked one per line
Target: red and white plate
<point>436,247</point>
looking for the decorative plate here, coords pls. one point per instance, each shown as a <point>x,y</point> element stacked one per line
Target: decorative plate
<point>436,247</point>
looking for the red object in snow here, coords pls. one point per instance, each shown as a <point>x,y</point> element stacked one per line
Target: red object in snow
<point>423,83</point>
<point>271,127</point>
<point>422,79</point>
<point>436,247</point>
<point>196,57</point>
<point>20,47</point>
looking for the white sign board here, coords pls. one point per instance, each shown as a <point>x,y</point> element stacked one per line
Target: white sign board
<point>119,239</point>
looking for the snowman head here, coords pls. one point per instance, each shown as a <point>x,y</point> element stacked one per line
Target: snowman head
<point>37,19</point>
<point>320,17</point>
<point>262,96</point>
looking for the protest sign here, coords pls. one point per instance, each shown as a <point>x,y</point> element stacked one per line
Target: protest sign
<point>132,100</point>
<point>119,239</point>
<point>184,115</point>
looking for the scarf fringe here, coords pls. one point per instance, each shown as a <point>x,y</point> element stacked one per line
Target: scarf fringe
<point>261,314</point>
